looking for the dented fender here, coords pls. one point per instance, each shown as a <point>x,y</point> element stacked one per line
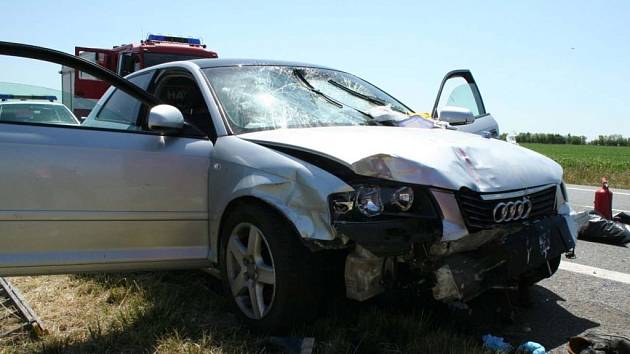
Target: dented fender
<point>293,187</point>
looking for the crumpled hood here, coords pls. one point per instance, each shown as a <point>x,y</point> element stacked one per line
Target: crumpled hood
<point>434,157</point>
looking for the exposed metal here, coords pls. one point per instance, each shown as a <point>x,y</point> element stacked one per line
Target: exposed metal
<point>363,274</point>
<point>515,194</point>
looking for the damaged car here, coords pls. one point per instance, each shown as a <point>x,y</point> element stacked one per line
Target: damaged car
<point>281,178</point>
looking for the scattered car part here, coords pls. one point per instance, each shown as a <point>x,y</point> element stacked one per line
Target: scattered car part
<point>597,343</point>
<point>11,296</point>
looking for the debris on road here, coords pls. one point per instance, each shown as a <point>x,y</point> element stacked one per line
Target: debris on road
<point>599,229</point>
<point>594,343</point>
<point>531,347</point>
<point>496,344</point>
<point>13,306</point>
<point>499,345</point>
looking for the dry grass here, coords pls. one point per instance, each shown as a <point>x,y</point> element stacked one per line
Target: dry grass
<point>185,312</point>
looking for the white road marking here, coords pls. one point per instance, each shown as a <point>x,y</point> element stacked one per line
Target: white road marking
<point>613,209</point>
<point>595,272</point>
<point>593,190</point>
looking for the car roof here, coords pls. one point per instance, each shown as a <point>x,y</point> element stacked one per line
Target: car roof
<point>212,63</point>
<point>31,102</point>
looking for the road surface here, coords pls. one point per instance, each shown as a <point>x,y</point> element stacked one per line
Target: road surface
<point>589,293</point>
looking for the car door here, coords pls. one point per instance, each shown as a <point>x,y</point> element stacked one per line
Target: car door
<point>98,198</point>
<point>459,89</point>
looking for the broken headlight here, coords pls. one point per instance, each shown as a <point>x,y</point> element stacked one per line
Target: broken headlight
<point>370,201</point>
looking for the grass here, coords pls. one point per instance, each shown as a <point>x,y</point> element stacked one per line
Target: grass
<point>587,164</point>
<point>185,312</point>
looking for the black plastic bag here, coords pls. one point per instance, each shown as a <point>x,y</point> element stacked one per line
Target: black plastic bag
<point>622,218</point>
<point>600,229</point>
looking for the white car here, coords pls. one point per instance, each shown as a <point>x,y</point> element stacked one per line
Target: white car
<point>34,109</point>
<point>276,177</point>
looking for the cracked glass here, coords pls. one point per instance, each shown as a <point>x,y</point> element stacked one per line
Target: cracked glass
<point>275,97</point>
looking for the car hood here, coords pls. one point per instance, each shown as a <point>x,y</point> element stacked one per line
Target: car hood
<point>434,157</point>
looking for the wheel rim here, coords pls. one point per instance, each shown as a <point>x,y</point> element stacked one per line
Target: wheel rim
<point>250,270</point>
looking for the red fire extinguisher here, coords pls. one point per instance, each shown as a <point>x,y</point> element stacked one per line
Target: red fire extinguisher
<point>603,200</point>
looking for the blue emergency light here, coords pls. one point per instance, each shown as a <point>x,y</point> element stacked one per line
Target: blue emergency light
<point>4,97</point>
<point>161,38</point>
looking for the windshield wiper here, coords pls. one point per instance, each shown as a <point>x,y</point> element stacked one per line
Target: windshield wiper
<point>300,75</point>
<point>365,97</point>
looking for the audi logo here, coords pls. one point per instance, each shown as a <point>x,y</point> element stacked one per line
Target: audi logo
<point>514,210</point>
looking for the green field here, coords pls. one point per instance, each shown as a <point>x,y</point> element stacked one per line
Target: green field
<point>587,164</point>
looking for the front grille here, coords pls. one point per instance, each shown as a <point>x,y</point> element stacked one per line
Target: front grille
<point>477,208</point>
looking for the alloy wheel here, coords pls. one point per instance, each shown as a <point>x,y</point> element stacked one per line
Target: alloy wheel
<point>250,270</point>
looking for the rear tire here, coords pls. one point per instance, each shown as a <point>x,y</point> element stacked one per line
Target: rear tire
<point>271,277</point>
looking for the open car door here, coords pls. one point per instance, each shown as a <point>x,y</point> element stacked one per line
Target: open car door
<point>76,198</point>
<point>459,102</point>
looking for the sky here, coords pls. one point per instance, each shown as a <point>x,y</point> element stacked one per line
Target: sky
<point>542,66</point>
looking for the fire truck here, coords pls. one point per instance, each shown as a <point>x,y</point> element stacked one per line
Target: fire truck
<point>80,91</point>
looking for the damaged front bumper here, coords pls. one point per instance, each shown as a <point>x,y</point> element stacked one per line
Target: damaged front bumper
<point>462,276</point>
<point>483,260</point>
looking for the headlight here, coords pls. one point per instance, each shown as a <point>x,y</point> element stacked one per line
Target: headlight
<point>381,201</point>
<point>403,198</point>
<point>368,200</point>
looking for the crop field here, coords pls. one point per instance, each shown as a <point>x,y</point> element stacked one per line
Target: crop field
<point>587,164</point>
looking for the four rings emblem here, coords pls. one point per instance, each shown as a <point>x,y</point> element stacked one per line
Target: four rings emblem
<point>514,210</point>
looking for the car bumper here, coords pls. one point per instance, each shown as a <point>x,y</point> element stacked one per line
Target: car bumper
<point>462,276</point>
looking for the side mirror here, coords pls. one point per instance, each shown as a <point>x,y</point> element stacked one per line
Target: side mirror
<point>456,115</point>
<point>165,117</point>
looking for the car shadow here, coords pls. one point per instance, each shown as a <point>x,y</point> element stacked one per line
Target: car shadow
<point>539,317</point>
<point>191,307</point>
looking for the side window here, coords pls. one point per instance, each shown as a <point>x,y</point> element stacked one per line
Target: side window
<point>179,89</point>
<point>123,110</point>
<point>458,92</point>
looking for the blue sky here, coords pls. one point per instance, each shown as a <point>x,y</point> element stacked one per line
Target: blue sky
<point>542,66</point>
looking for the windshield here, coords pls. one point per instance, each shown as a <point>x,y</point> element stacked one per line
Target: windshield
<point>36,113</point>
<point>273,97</point>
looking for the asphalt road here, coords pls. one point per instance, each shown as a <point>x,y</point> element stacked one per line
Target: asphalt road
<point>588,293</point>
<point>581,198</point>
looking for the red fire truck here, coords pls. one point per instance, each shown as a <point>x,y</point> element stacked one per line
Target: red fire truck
<point>80,91</point>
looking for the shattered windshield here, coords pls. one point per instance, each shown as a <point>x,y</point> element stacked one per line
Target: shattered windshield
<point>273,97</point>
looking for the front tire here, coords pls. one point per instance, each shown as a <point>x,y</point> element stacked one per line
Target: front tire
<point>271,277</point>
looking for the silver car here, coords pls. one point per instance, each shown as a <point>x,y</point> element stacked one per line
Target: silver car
<point>279,178</point>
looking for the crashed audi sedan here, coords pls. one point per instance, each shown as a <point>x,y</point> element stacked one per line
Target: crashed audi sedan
<point>280,178</point>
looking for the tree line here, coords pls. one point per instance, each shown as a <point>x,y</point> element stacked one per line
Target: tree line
<point>548,138</point>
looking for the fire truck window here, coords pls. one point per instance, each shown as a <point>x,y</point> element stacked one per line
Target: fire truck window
<point>96,58</point>
<point>127,62</point>
<point>183,93</point>
<point>123,109</point>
